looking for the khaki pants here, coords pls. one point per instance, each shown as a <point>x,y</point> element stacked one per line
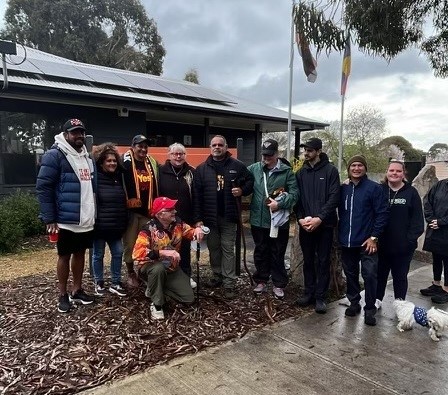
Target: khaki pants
<point>221,245</point>
<point>161,283</point>
<point>136,223</point>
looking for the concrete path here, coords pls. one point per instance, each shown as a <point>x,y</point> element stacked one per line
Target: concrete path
<point>316,354</point>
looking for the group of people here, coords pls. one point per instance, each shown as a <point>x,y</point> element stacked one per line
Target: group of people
<point>148,213</point>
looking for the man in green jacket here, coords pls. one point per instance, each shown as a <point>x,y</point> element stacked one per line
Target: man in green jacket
<point>275,193</point>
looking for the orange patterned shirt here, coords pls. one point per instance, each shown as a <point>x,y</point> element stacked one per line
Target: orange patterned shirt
<point>153,238</point>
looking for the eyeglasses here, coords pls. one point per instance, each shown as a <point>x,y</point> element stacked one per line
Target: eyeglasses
<point>216,145</point>
<point>167,210</point>
<point>178,153</point>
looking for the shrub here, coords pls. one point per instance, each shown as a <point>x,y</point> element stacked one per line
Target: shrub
<point>19,219</point>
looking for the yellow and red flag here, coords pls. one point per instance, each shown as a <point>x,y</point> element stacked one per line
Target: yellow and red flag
<point>346,66</point>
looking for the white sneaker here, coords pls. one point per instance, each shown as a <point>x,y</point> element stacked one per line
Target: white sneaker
<point>378,304</point>
<point>260,288</point>
<point>193,284</point>
<point>156,314</point>
<point>278,292</point>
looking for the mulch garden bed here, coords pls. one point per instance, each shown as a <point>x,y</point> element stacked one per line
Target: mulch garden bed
<point>46,352</point>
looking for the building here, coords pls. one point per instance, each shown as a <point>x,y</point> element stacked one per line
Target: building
<point>40,91</point>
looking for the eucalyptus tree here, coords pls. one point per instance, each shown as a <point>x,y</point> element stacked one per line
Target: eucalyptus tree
<point>114,33</point>
<point>378,27</point>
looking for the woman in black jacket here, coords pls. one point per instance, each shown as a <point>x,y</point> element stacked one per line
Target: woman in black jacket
<point>435,205</point>
<point>398,242</point>
<point>111,218</point>
<point>176,182</point>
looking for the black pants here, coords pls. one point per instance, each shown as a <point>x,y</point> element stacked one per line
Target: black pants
<point>269,256</point>
<point>398,265</point>
<point>316,272</point>
<point>439,263</point>
<point>369,271</point>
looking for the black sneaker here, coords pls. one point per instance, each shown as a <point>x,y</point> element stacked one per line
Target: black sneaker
<point>99,289</point>
<point>369,319</point>
<point>81,297</point>
<point>440,298</point>
<point>305,300</point>
<point>64,304</point>
<point>321,306</point>
<point>117,289</point>
<point>432,290</point>
<point>353,309</point>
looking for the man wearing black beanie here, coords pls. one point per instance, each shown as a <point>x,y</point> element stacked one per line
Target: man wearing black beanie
<point>363,214</point>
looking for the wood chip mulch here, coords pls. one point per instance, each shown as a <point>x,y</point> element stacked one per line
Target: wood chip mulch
<point>46,352</point>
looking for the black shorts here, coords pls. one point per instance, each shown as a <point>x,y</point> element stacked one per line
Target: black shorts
<point>70,242</point>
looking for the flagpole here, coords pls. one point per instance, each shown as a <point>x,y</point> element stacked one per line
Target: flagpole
<point>291,70</point>
<point>340,134</point>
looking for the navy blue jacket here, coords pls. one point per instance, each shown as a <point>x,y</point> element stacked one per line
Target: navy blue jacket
<point>363,212</point>
<point>58,189</point>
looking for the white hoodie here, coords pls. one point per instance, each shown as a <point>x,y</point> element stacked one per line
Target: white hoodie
<point>83,167</point>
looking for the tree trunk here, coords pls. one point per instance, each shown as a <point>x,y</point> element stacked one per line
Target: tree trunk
<point>337,280</point>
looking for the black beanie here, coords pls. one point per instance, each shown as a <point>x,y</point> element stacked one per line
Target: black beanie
<point>357,158</point>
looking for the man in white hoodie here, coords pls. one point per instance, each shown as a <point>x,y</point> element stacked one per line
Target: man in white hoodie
<point>67,207</point>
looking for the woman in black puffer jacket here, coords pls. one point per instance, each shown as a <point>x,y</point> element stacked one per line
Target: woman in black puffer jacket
<point>111,218</point>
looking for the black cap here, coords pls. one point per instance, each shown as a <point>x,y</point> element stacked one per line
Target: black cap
<point>269,147</point>
<point>73,124</point>
<point>313,143</point>
<point>140,139</point>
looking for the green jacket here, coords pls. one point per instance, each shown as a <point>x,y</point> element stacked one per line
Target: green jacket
<point>283,177</point>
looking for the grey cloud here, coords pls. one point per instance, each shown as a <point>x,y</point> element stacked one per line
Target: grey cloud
<point>242,47</point>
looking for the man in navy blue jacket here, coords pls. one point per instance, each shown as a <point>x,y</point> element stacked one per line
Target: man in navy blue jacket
<point>363,214</point>
<point>67,207</point>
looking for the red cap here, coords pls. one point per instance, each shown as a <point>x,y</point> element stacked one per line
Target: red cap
<point>162,203</point>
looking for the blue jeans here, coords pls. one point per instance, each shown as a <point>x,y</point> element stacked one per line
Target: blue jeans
<point>116,251</point>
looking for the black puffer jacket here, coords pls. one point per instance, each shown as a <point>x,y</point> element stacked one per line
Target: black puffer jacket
<point>435,205</point>
<point>205,186</point>
<point>178,186</point>
<point>319,188</point>
<point>112,214</point>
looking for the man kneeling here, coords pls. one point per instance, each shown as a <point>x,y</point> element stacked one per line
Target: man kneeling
<point>156,256</point>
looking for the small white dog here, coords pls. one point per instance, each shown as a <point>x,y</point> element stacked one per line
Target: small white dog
<point>408,314</point>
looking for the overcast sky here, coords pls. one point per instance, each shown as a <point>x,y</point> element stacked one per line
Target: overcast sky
<point>242,47</point>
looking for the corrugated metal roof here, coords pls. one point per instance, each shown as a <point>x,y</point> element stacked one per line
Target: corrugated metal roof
<point>43,70</point>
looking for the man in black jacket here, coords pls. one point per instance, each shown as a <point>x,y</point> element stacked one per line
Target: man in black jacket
<point>319,187</point>
<point>218,183</point>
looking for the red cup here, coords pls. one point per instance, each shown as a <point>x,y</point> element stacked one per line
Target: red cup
<point>53,237</point>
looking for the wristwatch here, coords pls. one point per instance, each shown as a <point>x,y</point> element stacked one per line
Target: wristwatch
<point>374,239</point>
